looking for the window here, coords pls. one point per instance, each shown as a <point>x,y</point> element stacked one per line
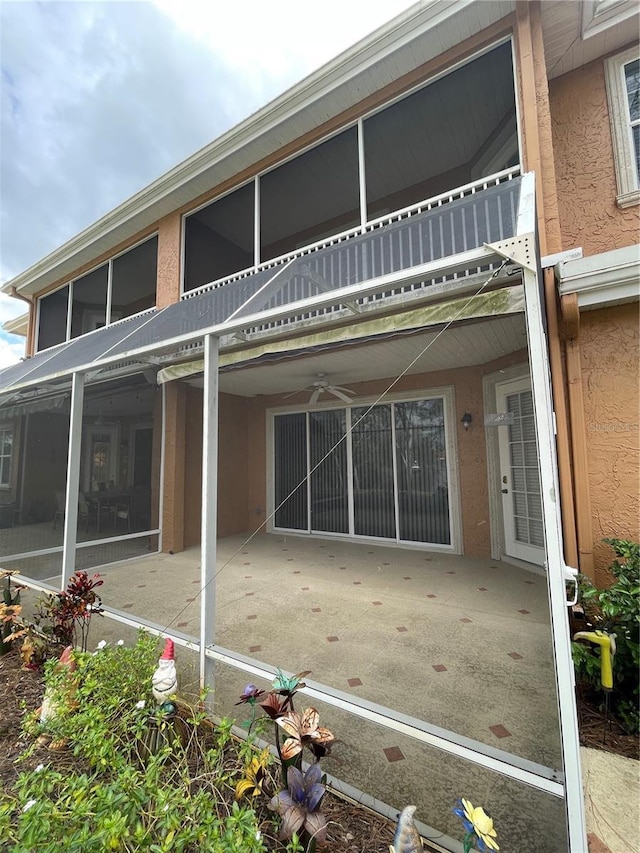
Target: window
<point>6,451</point>
<point>622,75</point>
<point>451,130</point>
<point>123,286</point>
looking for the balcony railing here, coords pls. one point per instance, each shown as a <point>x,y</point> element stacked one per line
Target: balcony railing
<point>463,219</point>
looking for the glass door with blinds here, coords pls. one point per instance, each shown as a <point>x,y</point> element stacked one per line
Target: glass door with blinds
<point>361,472</point>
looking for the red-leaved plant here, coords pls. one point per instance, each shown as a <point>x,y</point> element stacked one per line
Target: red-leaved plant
<point>70,611</point>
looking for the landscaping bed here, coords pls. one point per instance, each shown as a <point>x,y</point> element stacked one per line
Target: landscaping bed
<point>351,828</point>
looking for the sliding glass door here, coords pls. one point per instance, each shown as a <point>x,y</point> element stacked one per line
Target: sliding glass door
<point>376,472</point>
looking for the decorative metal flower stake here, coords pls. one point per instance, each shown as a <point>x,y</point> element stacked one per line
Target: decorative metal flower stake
<point>478,826</point>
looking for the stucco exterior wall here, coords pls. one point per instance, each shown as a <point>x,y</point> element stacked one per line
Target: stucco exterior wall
<point>589,216</point>
<point>193,468</point>
<point>233,463</point>
<point>610,356</point>
<point>169,241</point>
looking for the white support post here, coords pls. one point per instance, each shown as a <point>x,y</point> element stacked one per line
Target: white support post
<point>209,508</point>
<point>73,479</point>
<point>543,407</point>
<point>256,221</point>
<point>362,175</point>
<point>107,310</point>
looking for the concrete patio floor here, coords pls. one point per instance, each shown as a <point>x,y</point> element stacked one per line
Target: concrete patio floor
<point>458,642</point>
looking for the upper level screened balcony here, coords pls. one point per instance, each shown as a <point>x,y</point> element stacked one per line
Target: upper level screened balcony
<point>354,204</point>
<point>461,220</point>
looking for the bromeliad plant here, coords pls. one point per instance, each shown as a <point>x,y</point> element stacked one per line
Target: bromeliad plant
<point>10,609</point>
<point>71,611</point>
<point>298,803</point>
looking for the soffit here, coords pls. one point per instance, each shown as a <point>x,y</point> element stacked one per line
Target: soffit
<point>461,345</point>
<point>577,33</point>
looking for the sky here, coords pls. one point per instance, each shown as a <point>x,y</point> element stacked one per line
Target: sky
<point>101,98</point>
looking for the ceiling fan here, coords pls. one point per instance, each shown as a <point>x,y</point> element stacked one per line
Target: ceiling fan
<point>320,386</point>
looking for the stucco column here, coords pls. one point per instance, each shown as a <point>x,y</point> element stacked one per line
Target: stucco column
<point>174,467</point>
<point>536,122</point>
<point>169,240</point>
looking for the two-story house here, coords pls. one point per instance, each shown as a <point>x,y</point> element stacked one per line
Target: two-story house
<point>396,307</point>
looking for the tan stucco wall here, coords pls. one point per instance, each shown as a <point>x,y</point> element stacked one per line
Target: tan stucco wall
<point>193,468</point>
<point>589,216</point>
<point>233,463</point>
<point>169,241</point>
<point>610,357</point>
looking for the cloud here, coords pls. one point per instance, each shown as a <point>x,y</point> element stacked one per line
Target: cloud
<point>101,98</point>
<point>11,349</point>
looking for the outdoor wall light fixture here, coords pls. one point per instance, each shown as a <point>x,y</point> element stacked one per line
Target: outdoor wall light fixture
<point>465,420</point>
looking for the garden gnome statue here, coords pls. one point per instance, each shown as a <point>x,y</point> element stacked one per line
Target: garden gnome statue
<point>50,707</point>
<point>165,680</point>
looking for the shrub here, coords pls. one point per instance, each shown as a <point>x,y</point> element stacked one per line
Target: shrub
<point>615,610</point>
<point>176,798</point>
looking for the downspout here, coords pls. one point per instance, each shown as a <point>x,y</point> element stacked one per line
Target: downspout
<point>571,320</point>
<point>31,302</point>
<point>567,498</point>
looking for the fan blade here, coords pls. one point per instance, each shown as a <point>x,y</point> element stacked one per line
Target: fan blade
<point>346,390</point>
<point>339,394</point>
<point>315,395</point>
<point>293,393</point>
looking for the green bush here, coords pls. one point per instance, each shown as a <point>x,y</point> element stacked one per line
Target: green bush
<point>177,797</point>
<point>615,610</point>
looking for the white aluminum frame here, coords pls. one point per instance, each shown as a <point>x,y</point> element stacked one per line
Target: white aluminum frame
<point>73,479</point>
<point>209,507</point>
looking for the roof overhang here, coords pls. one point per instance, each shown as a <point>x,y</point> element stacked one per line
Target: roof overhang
<point>17,325</point>
<point>609,278</point>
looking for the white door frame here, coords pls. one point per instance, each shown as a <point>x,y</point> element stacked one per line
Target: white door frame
<point>512,547</point>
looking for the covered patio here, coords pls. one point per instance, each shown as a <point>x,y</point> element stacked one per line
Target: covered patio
<point>443,675</point>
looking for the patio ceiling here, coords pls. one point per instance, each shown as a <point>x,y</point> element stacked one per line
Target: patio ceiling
<point>461,345</point>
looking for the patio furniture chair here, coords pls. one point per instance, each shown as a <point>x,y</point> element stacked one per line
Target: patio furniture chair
<point>134,509</point>
<point>60,507</point>
<point>88,511</point>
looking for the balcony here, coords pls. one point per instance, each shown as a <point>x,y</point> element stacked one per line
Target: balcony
<point>449,224</point>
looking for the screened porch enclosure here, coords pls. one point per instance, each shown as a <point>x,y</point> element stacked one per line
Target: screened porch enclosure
<point>397,463</point>
<point>387,477</point>
<point>455,130</point>
<point>117,484</point>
